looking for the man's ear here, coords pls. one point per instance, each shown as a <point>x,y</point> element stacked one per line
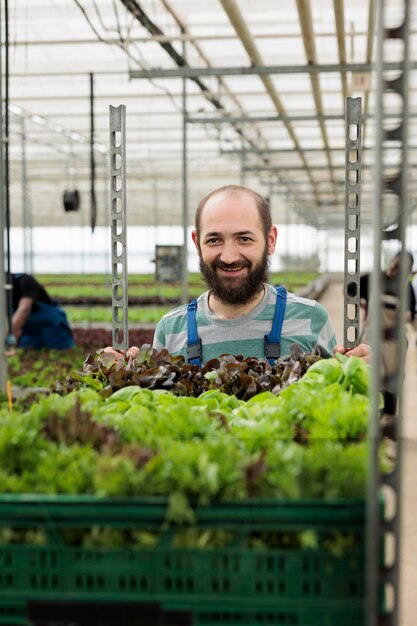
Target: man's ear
<point>271,240</point>
<point>195,239</point>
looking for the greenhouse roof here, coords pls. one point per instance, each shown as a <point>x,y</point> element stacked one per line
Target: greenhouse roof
<point>248,91</point>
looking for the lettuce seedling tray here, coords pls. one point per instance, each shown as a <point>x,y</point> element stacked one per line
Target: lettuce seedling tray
<point>252,562</point>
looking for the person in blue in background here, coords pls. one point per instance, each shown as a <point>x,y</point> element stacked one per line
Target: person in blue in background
<point>37,320</point>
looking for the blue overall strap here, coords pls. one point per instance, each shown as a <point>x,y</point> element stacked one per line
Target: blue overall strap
<point>272,345</point>
<point>194,347</point>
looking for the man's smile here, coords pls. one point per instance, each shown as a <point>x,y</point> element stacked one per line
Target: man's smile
<point>232,269</point>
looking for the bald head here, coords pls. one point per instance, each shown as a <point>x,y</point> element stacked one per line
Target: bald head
<point>235,190</point>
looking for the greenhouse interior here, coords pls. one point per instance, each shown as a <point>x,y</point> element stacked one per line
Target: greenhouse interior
<point>209,298</point>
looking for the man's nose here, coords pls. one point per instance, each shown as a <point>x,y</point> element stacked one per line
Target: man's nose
<point>230,253</point>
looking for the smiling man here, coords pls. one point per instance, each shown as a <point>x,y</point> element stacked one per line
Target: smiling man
<point>241,313</point>
<point>234,237</point>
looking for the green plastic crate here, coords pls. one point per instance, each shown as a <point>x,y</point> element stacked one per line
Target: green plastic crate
<point>236,584</point>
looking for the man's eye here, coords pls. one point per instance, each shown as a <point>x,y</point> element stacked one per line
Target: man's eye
<point>212,240</point>
<point>245,239</point>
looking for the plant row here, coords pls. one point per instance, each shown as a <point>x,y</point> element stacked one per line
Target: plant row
<point>307,441</point>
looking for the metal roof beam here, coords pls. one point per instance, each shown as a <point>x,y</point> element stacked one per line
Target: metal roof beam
<point>169,38</point>
<point>306,23</point>
<point>370,38</point>
<point>279,118</point>
<point>275,150</point>
<point>279,150</point>
<point>206,60</point>
<point>136,10</point>
<point>279,168</point>
<point>339,11</point>
<point>292,183</point>
<point>262,70</point>
<point>239,24</point>
<point>260,118</point>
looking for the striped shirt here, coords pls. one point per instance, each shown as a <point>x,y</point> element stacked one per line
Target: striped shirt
<point>306,323</point>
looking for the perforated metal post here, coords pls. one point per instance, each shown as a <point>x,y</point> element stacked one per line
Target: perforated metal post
<point>3,299</point>
<point>353,148</point>
<point>118,226</point>
<point>388,226</point>
<point>184,264</point>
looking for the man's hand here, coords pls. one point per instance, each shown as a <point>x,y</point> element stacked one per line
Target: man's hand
<point>363,350</point>
<point>130,353</point>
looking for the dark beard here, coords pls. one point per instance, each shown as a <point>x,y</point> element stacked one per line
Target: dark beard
<point>241,293</point>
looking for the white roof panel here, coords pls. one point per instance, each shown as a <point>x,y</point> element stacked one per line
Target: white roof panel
<point>56,44</point>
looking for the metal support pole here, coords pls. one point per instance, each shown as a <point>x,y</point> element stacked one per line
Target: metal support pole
<point>106,203</point>
<point>287,248</point>
<point>9,295</point>
<point>93,200</point>
<point>3,301</point>
<point>118,226</point>
<point>380,576</point>
<point>26,213</point>
<point>155,208</point>
<point>242,165</point>
<point>352,221</point>
<point>394,381</point>
<point>373,525</point>
<point>184,265</point>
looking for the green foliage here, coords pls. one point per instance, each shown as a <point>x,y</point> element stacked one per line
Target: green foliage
<point>233,430</point>
<point>115,476</point>
<point>41,368</point>
<point>356,374</point>
<point>21,442</point>
<point>86,286</point>
<point>307,441</point>
<point>104,291</point>
<point>326,371</point>
<point>332,469</point>
<point>49,280</point>
<point>137,315</point>
<point>103,279</point>
<point>63,469</point>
